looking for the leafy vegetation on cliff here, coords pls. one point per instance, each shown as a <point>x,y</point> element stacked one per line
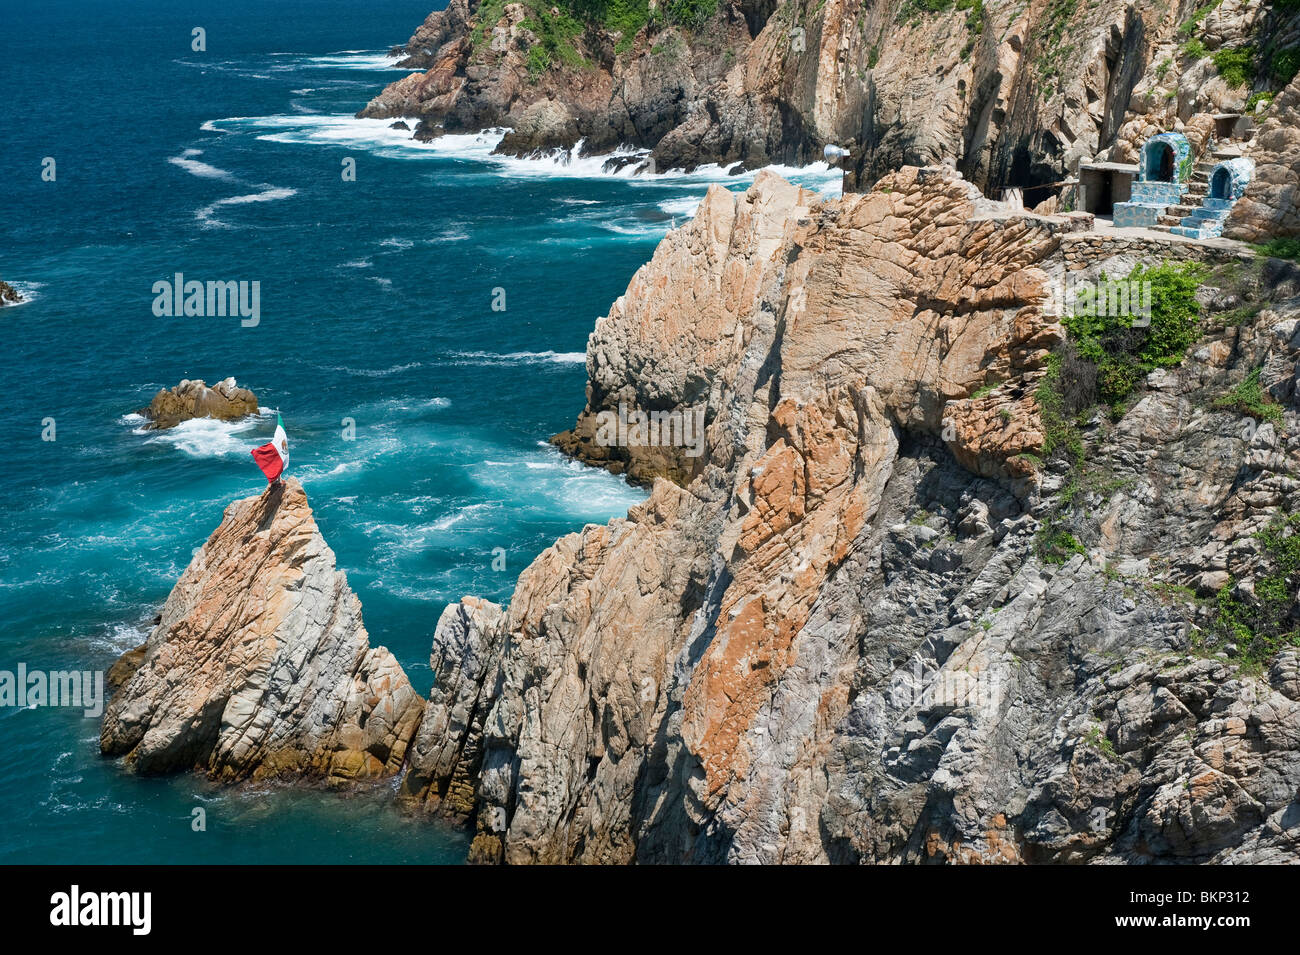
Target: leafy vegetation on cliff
<point>1236,64</point>
<point>1262,619</point>
<point>562,25</point>
<point>1250,398</point>
<point>1123,352</point>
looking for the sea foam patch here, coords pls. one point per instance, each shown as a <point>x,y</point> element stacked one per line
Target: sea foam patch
<point>206,437</point>
<point>207,215</point>
<point>188,161</point>
<point>377,136</point>
<point>520,358</point>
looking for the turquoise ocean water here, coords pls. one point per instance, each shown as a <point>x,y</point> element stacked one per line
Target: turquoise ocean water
<point>376,305</point>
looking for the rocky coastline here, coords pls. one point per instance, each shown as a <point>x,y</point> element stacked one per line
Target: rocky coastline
<point>998,91</point>
<point>890,614</point>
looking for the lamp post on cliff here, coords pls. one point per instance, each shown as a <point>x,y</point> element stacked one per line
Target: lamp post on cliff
<point>833,155</point>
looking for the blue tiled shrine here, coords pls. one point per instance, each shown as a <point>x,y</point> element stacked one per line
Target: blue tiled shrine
<point>1228,182</point>
<point>1163,171</point>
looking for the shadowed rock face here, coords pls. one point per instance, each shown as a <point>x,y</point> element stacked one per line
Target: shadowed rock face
<point>225,401</point>
<point>260,665</point>
<point>840,641</point>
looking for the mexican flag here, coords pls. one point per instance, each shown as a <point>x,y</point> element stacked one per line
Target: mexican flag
<point>273,458</point>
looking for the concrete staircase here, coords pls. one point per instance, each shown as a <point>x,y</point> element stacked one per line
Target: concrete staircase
<point>1198,216</point>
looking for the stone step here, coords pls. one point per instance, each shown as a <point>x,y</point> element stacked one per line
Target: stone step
<point>1207,232</point>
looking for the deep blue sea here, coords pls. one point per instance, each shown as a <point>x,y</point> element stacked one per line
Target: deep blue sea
<point>376,305</point>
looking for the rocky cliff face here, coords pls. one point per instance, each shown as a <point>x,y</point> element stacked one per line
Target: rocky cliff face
<point>225,401</point>
<point>1271,206</point>
<point>260,666</point>
<point>877,619</point>
<point>1013,94</point>
<point>851,635</point>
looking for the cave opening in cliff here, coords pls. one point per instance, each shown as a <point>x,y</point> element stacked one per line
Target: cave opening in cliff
<point>1221,184</point>
<point>1160,161</point>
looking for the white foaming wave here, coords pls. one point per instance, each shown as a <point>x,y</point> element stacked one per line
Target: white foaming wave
<point>196,167</point>
<point>372,134</point>
<point>357,264</point>
<point>28,291</point>
<point>520,357</point>
<point>122,637</point>
<point>354,60</point>
<point>375,135</point>
<point>400,244</point>
<point>571,163</point>
<point>343,467</point>
<point>559,482</point>
<point>463,514</point>
<point>685,206</point>
<point>207,215</point>
<point>637,227</point>
<point>206,437</point>
<point>374,372</point>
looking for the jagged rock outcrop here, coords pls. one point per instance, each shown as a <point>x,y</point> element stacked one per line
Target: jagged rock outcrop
<point>1271,206</point>
<point>447,752</point>
<point>9,295</point>
<point>847,637</point>
<point>260,666</point>
<point>1012,94</point>
<point>947,297</point>
<point>225,401</point>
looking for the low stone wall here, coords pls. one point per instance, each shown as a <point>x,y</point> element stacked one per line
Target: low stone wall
<point>1080,250</point>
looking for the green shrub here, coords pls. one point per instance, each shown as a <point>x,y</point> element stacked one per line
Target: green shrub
<point>1249,398</point>
<point>1190,25</point>
<point>1263,625</point>
<point>1056,409</point>
<point>1056,546</point>
<point>1285,65</point>
<point>1194,49</point>
<point>691,13</point>
<point>1236,64</point>
<point>1124,354</point>
<point>1053,50</point>
<point>975,20</point>
<point>1281,249</point>
<point>1263,96</point>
